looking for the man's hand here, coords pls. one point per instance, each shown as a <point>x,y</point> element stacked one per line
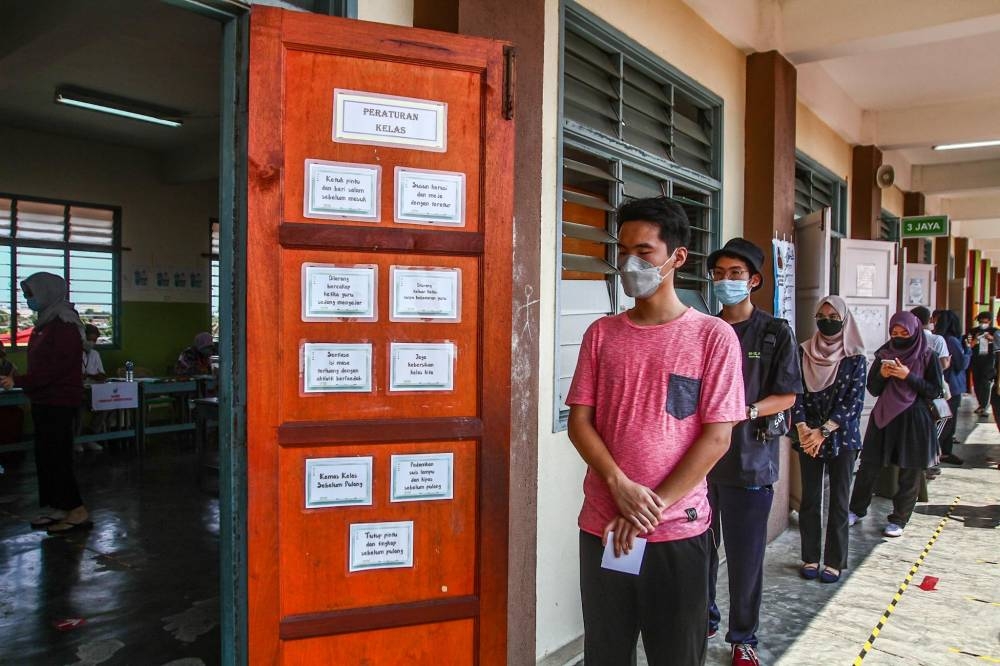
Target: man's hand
<point>7,382</point>
<point>624,535</point>
<point>638,504</point>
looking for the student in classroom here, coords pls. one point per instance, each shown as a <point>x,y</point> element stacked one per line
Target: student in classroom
<point>93,372</point>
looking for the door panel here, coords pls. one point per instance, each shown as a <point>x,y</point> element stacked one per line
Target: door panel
<point>812,269</point>
<point>448,604</point>
<point>919,286</point>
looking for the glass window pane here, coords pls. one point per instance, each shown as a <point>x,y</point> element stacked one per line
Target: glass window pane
<point>95,226</point>
<point>40,221</point>
<point>5,225</point>
<point>215,298</point>
<point>31,260</point>
<point>6,308</point>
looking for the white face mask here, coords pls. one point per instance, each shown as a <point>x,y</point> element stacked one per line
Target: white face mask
<point>641,279</point>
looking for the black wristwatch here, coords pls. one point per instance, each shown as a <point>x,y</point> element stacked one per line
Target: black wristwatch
<point>826,432</point>
<point>752,412</point>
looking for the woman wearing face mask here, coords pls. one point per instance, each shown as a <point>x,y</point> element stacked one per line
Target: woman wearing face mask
<point>827,418</point>
<point>981,341</point>
<point>904,377</point>
<point>54,385</point>
<point>947,325</point>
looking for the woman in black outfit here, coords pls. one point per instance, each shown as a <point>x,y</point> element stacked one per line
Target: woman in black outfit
<point>827,418</point>
<point>948,326</point>
<point>981,340</point>
<point>904,377</point>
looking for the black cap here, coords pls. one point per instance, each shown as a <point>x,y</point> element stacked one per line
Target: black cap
<point>745,250</point>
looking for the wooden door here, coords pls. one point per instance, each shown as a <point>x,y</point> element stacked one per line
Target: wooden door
<point>379,338</point>
<point>812,269</point>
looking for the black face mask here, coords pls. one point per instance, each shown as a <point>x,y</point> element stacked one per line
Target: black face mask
<point>829,327</point>
<point>903,343</point>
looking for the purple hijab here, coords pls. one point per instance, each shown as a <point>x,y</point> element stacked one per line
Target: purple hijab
<point>898,395</point>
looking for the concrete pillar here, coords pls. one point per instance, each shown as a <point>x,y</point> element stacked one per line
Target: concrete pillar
<point>914,204</point>
<point>962,271</point>
<point>943,264</point>
<point>866,196</point>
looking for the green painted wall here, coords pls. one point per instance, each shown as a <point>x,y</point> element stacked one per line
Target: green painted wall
<point>152,335</point>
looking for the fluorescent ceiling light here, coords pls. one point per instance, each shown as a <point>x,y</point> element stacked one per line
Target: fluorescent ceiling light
<point>117,106</point>
<point>972,144</point>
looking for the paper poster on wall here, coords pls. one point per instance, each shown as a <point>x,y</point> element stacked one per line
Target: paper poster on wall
<point>865,286</point>
<point>338,482</point>
<point>331,292</point>
<point>342,191</point>
<point>163,278</point>
<point>381,546</point>
<point>430,197</point>
<point>425,294</point>
<point>422,476</point>
<point>421,366</point>
<point>196,279</point>
<point>140,277</point>
<point>336,368</point>
<point>388,120</point>
<point>784,280</point>
<point>178,277</point>
<point>916,291</point>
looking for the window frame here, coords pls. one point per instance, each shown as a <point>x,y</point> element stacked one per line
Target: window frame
<point>12,243</point>
<point>577,136</point>
<point>838,185</point>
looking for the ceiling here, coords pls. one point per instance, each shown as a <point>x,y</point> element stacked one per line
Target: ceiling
<point>142,50</point>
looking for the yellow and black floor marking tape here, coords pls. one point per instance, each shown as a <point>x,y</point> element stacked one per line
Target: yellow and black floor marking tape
<point>983,657</point>
<point>905,584</point>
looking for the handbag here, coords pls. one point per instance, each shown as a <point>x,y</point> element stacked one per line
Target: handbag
<point>940,409</point>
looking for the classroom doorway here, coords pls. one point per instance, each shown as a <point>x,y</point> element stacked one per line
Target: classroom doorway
<point>119,123</point>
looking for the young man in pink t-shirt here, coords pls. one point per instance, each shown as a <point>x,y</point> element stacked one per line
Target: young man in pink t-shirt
<point>655,396</point>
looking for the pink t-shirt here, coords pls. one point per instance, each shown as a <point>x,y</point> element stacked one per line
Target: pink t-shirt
<point>652,388</point>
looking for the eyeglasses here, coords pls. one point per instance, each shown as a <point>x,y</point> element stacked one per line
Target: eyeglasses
<point>717,274</point>
<point>833,317</point>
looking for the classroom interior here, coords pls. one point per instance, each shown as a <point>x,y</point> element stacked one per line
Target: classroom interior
<point>127,210</point>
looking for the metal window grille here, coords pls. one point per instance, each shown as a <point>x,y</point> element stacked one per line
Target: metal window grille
<point>817,188</point>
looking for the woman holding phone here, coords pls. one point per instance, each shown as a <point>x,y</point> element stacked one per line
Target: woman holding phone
<point>904,376</point>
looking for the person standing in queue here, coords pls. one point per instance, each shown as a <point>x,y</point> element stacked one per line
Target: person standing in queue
<point>904,377</point>
<point>827,418</point>
<point>741,483</point>
<point>982,341</point>
<point>948,326</point>
<point>653,401</point>
<point>54,384</point>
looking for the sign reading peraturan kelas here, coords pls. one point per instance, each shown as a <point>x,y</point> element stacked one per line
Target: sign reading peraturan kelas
<point>925,226</point>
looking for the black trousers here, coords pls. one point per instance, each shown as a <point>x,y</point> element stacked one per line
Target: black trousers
<point>666,602</point>
<point>982,381</point>
<point>948,432</point>
<point>743,513</point>
<point>840,470</point>
<point>54,456</point>
<point>902,502</point>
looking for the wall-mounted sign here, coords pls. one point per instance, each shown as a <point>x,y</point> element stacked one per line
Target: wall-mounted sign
<point>381,546</point>
<point>387,120</point>
<point>332,368</point>
<point>419,366</point>
<point>424,476</point>
<point>430,197</point>
<point>925,226</point>
<point>338,482</point>
<point>332,292</point>
<point>342,191</point>
<point>426,293</point>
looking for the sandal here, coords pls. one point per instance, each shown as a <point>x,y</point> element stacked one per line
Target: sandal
<point>67,526</point>
<point>809,571</point>
<point>51,517</point>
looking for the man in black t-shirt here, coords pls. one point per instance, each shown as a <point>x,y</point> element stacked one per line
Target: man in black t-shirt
<point>740,487</point>
<point>981,339</point>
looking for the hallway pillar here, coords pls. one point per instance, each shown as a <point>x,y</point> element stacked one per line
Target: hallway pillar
<point>866,197</point>
<point>914,204</point>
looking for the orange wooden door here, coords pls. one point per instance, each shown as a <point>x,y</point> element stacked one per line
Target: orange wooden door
<point>379,235</point>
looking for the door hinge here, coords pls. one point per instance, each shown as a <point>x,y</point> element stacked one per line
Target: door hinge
<point>509,55</point>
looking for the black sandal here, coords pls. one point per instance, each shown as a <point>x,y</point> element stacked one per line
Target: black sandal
<point>66,526</point>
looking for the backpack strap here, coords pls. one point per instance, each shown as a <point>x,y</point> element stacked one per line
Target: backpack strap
<point>773,329</point>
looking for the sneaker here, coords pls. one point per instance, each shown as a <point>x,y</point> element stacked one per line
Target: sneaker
<point>893,530</point>
<point>712,632</point>
<point>951,459</point>
<point>852,518</point>
<point>745,655</point>
<point>93,446</point>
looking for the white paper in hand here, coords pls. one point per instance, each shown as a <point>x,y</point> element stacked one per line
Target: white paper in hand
<point>626,563</point>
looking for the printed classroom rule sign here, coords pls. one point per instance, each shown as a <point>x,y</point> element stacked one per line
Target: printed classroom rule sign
<point>388,120</point>
<point>427,476</point>
<point>425,294</point>
<point>416,366</point>
<point>430,197</point>
<point>381,546</point>
<point>339,190</point>
<point>336,292</point>
<point>338,482</point>
<point>332,368</point>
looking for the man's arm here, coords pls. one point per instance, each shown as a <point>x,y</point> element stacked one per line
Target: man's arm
<point>699,460</point>
<point>774,404</point>
<point>637,503</point>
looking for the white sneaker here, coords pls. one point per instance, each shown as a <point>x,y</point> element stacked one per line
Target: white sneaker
<point>893,530</point>
<point>93,446</point>
<point>852,518</point>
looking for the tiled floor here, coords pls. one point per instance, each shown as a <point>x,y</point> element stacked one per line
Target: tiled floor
<point>144,580</point>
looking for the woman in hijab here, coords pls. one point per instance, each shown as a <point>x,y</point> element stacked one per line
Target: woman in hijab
<point>827,418</point>
<point>54,385</point>
<point>948,326</point>
<point>195,359</point>
<point>904,377</point>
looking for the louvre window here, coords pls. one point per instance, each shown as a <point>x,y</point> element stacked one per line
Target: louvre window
<point>632,128</point>
<point>77,242</point>
<point>817,188</point>
<point>213,253</point>
<point>888,227</point>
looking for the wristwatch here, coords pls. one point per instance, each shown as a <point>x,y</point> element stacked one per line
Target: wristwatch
<point>826,432</point>
<point>752,412</point>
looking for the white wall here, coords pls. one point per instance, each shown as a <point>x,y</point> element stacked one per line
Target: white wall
<point>399,12</point>
<point>675,33</point>
<point>162,225</point>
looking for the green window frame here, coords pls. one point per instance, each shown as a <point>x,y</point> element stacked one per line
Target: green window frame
<point>631,126</point>
<point>79,241</point>
<point>816,187</point>
<point>888,226</point>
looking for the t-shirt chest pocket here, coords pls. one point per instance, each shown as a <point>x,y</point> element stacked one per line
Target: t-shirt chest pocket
<point>682,396</point>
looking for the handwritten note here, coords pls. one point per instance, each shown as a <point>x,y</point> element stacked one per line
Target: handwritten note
<point>339,190</point>
<point>422,366</point>
<point>425,294</point>
<point>430,197</point>
<point>333,292</point>
<point>381,546</point>
<point>425,476</point>
<point>331,368</point>
<point>338,482</point>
